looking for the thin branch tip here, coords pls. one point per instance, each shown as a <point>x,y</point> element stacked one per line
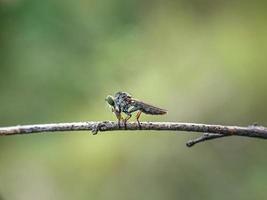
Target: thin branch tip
<point>203,138</point>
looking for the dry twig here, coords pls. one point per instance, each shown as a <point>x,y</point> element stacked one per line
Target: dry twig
<point>210,131</point>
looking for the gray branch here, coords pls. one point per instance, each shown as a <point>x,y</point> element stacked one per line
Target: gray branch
<point>210,131</point>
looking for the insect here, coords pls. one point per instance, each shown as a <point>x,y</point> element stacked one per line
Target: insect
<point>124,102</point>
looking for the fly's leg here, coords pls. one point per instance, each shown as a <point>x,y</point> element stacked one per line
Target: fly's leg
<point>133,109</point>
<point>119,117</point>
<point>119,122</point>
<point>137,119</point>
<point>129,115</point>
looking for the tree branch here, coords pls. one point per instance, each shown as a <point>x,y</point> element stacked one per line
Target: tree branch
<point>210,131</point>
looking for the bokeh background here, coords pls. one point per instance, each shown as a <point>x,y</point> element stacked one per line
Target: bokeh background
<point>204,61</point>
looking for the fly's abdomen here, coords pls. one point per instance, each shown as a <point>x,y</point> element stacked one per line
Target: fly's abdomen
<point>149,109</point>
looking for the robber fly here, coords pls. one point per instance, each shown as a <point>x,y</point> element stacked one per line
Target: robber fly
<point>124,102</point>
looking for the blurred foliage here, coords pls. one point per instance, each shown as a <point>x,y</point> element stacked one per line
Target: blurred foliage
<point>205,61</point>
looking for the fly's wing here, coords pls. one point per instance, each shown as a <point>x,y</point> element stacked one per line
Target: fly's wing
<point>147,108</point>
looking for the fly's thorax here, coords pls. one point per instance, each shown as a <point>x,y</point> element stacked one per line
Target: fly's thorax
<point>122,101</point>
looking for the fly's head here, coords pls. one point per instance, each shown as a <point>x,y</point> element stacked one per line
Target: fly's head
<point>110,100</point>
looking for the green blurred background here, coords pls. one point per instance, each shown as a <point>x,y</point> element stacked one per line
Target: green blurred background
<point>204,61</point>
